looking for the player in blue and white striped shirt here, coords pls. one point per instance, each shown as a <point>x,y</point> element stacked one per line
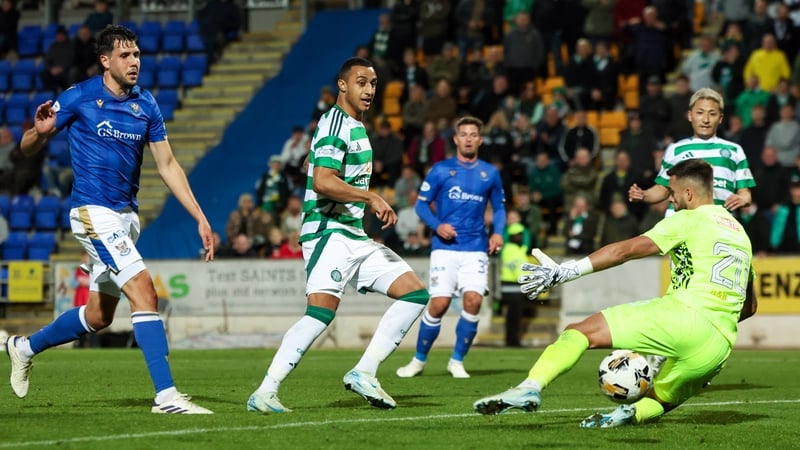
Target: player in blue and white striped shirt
<point>109,120</point>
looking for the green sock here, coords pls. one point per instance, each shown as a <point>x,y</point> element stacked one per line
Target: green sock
<point>648,409</point>
<point>558,357</point>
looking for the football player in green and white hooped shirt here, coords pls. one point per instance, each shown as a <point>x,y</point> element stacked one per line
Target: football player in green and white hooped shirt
<point>336,249</point>
<point>732,177</point>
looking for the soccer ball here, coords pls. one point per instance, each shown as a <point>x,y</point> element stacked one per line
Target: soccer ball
<point>625,376</point>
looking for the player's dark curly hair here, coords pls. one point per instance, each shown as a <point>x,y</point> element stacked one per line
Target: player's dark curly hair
<point>112,34</point>
<point>349,63</point>
<point>695,169</point>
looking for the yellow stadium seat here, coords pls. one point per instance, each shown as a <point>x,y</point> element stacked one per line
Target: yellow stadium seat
<point>613,119</point>
<point>391,106</point>
<point>396,122</point>
<point>394,89</point>
<point>593,119</point>
<point>609,137</point>
<point>631,99</point>
<point>631,83</point>
<point>553,82</point>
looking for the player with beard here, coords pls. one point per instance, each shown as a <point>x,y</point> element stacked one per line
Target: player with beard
<point>461,188</point>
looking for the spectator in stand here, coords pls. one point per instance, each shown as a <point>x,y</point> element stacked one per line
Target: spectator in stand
<point>624,11</point>
<point>746,101</point>
<point>605,92</point>
<point>7,146</point>
<point>549,18</point>
<point>734,130</point>
<point>412,74</point>
<point>408,222</point>
<point>524,53</point>
<point>247,220</point>
<point>292,216</point>
<point>408,182</point>
<point>728,74</point>
<point>58,62</point>
<point>404,16</point>
<point>784,136</point>
<point>639,144</point>
<point>655,212</point>
<point>272,190</point>
<point>529,103</point>
<point>735,12</point>
<point>384,46</point>
<point>549,132</point>
<point>492,99</point>
<point>698,65</point>
<point>426,149</point>
<point>294,152</point>
<point>598,25</point>
<point>275,239</point>
<point>785,233</point>
<point>530,216</point>
<point>434,25</point>
<point>446,65</point>
<point>733,35</point>
<point>512,256</point>
<point>755,135</point>
<point>99,18</point>
<point>472,18</point>
<point>580,76</point>
<point>497,139</point>
<point>523,139</point>
<point>675,16</point>
<point>617,182</point>
<point>756,27</point>
<point>291,249</point>
<point>786,32</point>
<point>414,113</point>
<point>544,184</point>
<point>780,96</point>
<point>27,171</point>
<point>9,24</point>
<point>241,247</point>
<point>619,223</point>
<point>580,179</point>
<point>475,74</point>
<point>654,108</point>
<point>768,63</point>
<point>651,45</point>
<point>387,149</point>
<point>580,227</point>
<point>441,106</point>
<point>581,135</point>
<point>84,64</point>
<point>324,103</point>
<point>220,22</point>
<point>679,127</point>
<point>771,179</point>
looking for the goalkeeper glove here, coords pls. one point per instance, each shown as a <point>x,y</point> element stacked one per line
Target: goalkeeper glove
<point>548,274</point>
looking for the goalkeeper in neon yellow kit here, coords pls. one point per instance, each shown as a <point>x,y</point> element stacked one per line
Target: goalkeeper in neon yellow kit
<point>694,324</point>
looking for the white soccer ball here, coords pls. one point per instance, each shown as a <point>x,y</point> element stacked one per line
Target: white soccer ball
<point>3,339</point>
<point>625,376</point>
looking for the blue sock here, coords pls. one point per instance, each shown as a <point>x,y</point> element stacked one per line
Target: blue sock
<point>152,340</point>
<point>66,328</point>
<point>466,329</point>
<point>429,328</point>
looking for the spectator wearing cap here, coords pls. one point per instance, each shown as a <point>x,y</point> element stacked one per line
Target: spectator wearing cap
<point>512,256</point>
<point>57,62</point>
<point>785,233</point>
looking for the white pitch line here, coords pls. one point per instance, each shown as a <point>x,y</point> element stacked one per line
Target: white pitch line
<point>317,423</point>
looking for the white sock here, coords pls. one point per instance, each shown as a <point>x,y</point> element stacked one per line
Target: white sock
<point>294,344</point>
<point>166,394</point>
<point>430,320</point>
<point>394,325</point>
<point>24,347</point>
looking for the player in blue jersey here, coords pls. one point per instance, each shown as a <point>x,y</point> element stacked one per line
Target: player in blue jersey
<point>109,120</point>
<point>458,189</point>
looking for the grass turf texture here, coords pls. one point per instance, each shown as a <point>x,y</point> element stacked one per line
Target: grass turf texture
<point>101,399</point>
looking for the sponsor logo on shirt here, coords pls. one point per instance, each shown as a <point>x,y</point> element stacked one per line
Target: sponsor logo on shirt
<point>455,193</point>
<point>105,130</point>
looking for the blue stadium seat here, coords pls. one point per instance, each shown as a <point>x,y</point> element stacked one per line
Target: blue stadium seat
<point>5,205</point>
<point>194,43</point>
<point>15,247</point>
<point>175,27</point>
<point>193,27</point>
<point>168,101</point>
<point>167,111</point>
<point>46,43</point>
<point>151,28</point>
<point>39,98</point>
<point>194,67</point>
<point>147,78</point>
<point>23,74</point>
<point>47,215</point>
<point>2,108</point>
<point>73,30</point>
<point>150,44</point>
<point>131,25</point>
<point>169,72</point>
<point>16,131</point>
<point>29,41</point>
<point>57,146</point>
<point>173,43</point>
<point>5,76</point>
<point>17,108</point>
<point>41,245</point>
<point>20,214</point>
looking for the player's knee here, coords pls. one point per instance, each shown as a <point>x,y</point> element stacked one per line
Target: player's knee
<point>98,318</point>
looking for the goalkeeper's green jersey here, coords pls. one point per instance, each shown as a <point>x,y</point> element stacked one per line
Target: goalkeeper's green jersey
<point>711,256</point>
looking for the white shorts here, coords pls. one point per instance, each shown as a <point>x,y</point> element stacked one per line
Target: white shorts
<point>334,260</point>
<point>452,273</point>
<point>109,238</point>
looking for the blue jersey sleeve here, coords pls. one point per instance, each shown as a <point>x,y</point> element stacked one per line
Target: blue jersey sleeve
<point>428,191</point>
<point>156,130</point>
<point>66,107</point>
<point>498,199</point>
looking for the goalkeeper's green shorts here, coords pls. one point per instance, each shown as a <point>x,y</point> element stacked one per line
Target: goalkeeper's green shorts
<point>696,351</point>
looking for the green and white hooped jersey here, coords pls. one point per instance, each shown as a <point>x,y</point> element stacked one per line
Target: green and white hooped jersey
<point>340,143</point>
<point>731,170</point>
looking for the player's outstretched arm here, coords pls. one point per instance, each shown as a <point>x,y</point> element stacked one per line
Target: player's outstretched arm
<point>327,183</point>
<point>175,179</point>
<point>654,194</point>
<point>44,126</point>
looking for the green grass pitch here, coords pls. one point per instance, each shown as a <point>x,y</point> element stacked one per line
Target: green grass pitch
<point>87,399</point>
